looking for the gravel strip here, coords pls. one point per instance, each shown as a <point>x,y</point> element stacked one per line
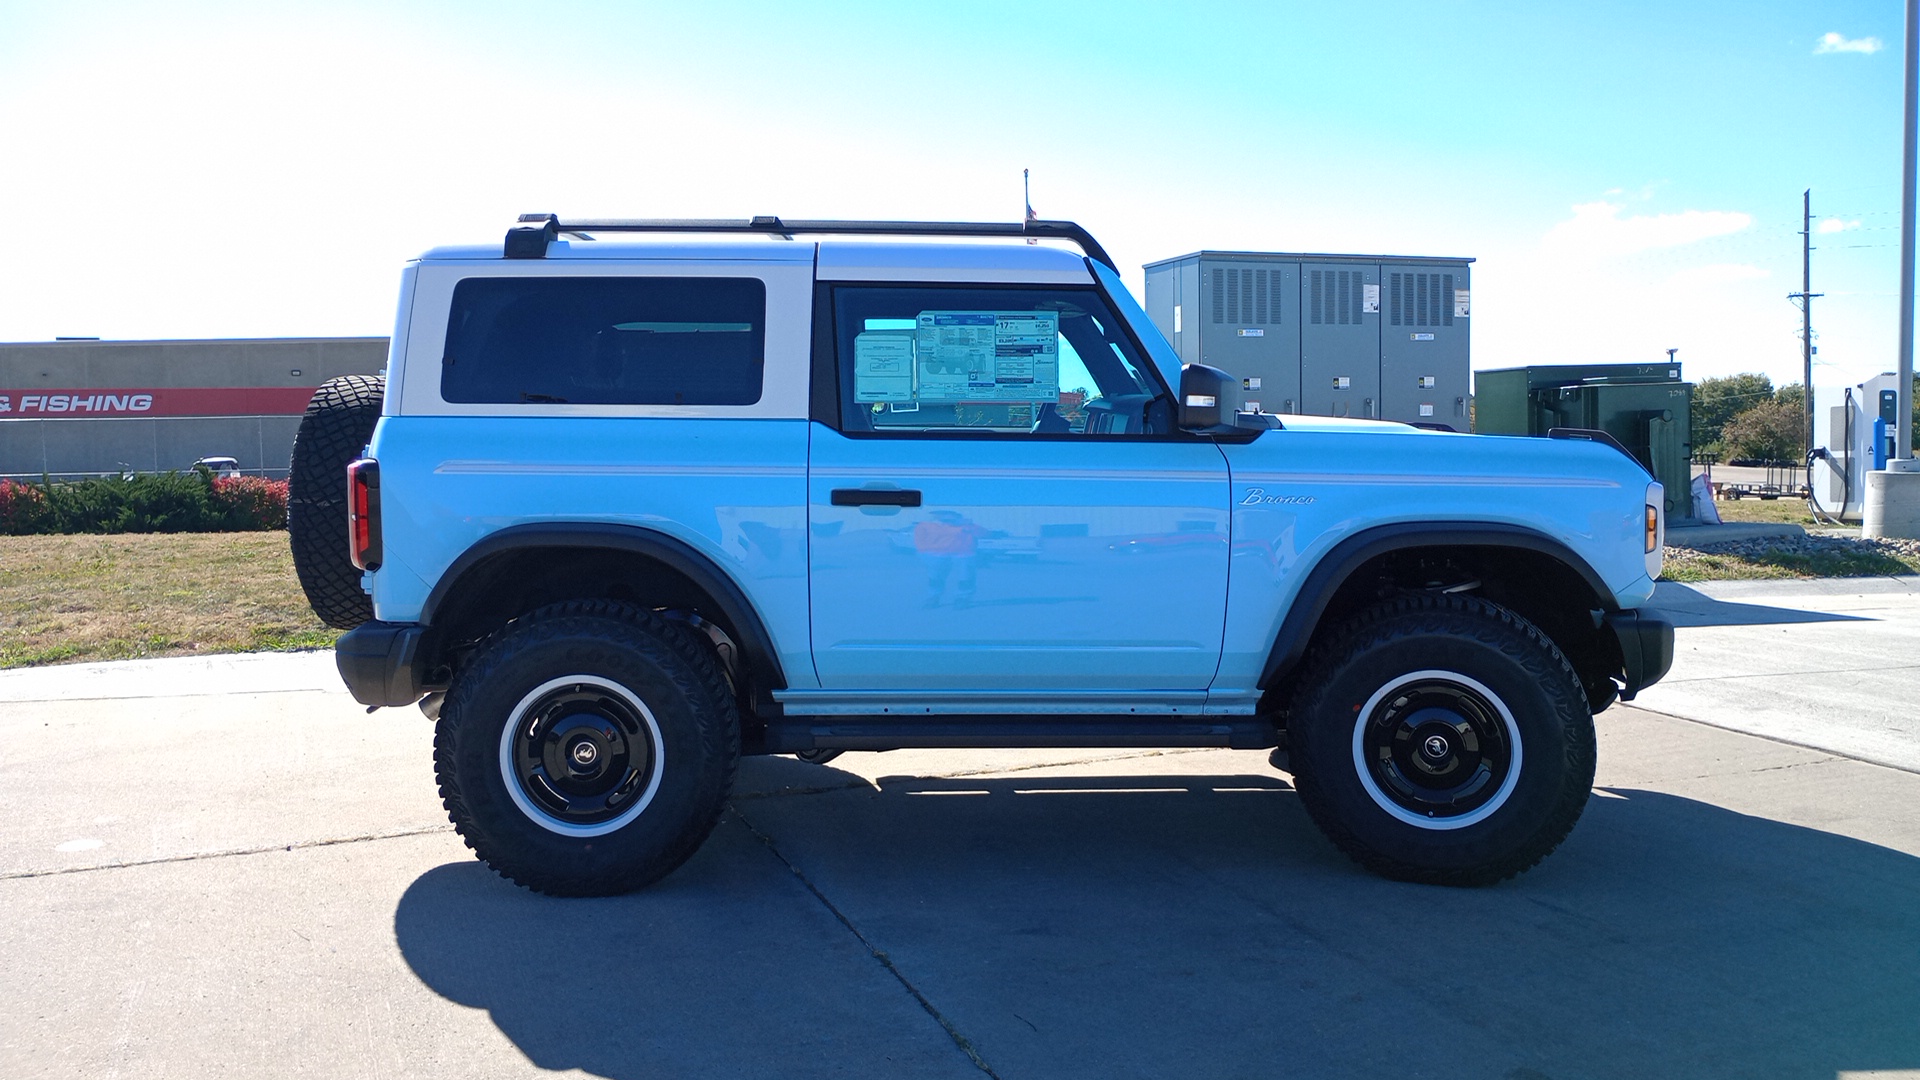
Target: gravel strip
<point>1813,546</point>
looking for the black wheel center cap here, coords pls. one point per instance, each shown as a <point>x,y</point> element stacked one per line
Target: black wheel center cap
<point>582,753</point>
<point>1437,748</point>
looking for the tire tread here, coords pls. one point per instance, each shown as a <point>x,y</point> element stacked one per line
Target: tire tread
<point>1491,625</point>
<point>335,428</point>
<point>692,668</point>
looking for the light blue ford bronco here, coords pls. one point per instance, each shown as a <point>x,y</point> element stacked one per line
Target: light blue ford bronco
<point>635,498</point>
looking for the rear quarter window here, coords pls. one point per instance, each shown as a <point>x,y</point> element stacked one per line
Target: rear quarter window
<point>606,341</point>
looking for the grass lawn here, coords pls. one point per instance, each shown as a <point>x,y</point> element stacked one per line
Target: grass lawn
<point>1829,560</point>
<point>1771,511</point>
<point>1788,557</point>
<point>70,598</point>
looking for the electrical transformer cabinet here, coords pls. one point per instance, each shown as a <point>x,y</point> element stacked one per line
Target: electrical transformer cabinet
<point>1646,408</point>
<point>1376,336</point>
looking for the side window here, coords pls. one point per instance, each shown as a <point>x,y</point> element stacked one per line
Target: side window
<point>934,358</point>
<point>606,341</point>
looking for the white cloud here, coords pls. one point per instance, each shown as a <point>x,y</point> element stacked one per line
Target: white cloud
<point>1834,225</point>
<point>1836,43</point>
<point>1531,307</point>
<point>1597,230</point>
<point>1699,277</point>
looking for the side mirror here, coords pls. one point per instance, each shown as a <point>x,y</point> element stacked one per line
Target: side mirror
<point>1209,398</point>
<point>1210,404</point>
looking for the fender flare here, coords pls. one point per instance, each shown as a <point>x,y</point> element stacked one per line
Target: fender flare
<point>1337,565</point>
<point>756,645</point>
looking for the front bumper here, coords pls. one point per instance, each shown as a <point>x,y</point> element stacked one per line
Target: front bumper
<point>1646,648</point>
<point>382,663</point>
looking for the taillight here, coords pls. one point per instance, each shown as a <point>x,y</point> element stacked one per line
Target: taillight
<point>363,513</point>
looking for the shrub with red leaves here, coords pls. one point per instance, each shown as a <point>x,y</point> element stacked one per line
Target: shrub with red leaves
<point>23,508</point>
<point>252,503</point>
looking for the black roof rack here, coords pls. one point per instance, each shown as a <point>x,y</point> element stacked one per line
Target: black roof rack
<point>529,238</point>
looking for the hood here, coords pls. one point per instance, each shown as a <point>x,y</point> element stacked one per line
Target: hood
<point>1299,422</point>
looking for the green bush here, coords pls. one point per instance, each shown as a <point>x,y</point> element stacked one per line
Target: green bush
<point>144,503</point>
<point>1770,431</point>
<point>1718,400</point>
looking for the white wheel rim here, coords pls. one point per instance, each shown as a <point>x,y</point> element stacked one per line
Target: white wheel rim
<point>538,815</point>
<point>1363,768</point>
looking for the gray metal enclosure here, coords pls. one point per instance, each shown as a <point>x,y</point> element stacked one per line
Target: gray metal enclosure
<point>1370,336</point>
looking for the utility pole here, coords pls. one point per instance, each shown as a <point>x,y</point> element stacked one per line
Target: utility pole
<point>1670,353</point>
<point>1805,297</point>
<point>1892,505</point>
<point>1903,442</point>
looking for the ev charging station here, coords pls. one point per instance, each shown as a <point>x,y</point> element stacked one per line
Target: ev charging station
<point>1852,439</point>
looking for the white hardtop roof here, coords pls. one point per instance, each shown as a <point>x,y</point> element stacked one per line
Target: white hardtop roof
<point>841,258</point>
<point>642,246</point>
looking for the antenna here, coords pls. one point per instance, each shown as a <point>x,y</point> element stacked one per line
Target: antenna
<point>1026,191</point>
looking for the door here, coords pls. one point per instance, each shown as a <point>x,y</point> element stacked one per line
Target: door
<point>1001,504</point>
<point>1423,345</point>
<point>1249,324</point>
<point>1340,339</point>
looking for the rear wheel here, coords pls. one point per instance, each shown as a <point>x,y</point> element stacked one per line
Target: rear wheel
<point>587,749</point>
<point>336,427</point>
<point>1445,740</point>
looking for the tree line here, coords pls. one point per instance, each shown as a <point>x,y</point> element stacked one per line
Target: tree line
<point>1745,417</point>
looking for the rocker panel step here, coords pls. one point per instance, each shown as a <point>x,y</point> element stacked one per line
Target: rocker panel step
<point>1022,732</point>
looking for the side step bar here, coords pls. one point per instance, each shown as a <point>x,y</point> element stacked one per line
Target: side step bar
<point>957,732</point>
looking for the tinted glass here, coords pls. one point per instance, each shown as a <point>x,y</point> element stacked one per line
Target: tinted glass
<point>606,341</point>
<point>943,358</point>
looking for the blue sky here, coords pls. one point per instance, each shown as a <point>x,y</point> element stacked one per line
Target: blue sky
<point>1628,175</point>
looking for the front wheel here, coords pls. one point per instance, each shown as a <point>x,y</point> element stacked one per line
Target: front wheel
<point>587,749</point>
<point>1443,739</point>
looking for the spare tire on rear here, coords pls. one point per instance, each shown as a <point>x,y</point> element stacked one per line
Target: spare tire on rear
<point>335,429</point>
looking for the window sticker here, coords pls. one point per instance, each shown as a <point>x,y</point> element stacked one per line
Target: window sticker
<point>883,365</point>
<point>988,355</point>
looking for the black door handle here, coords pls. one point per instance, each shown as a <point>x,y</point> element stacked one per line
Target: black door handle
<point>875,497</point>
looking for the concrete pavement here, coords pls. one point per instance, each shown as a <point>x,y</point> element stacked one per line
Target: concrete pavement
<point>263,884</point>
<point>1830,663</point>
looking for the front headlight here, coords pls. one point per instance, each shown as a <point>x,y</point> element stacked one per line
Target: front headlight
<point>1656,529</point>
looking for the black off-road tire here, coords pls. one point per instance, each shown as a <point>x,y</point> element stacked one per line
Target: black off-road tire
<point>607,669</point>
<point>1409,695</point>
<point>335,429</point>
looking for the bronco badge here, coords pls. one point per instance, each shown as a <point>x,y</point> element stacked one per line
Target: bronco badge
<point>1259,497</point>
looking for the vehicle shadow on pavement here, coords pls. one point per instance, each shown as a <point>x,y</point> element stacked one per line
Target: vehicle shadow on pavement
<point>1690,607</point>
<point>1154,925</point>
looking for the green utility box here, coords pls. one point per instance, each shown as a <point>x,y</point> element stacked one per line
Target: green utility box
<point>1644,406</point>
